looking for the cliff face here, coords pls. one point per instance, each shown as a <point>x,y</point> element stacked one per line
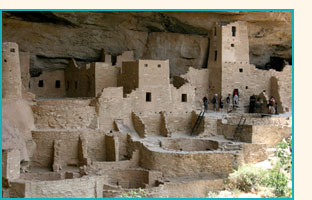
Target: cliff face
<point>52,38</point>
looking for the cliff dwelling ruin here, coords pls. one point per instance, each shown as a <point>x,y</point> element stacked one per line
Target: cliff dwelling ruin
<point>102,128</point>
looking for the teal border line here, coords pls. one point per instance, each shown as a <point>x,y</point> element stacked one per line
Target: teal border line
<point>184,10</point>
<point>1,97</point>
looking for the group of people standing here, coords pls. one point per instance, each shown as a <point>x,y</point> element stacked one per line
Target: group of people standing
<point>255,103</point>
<point>220,103</point>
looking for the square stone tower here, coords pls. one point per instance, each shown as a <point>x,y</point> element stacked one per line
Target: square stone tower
<point>229,45</point>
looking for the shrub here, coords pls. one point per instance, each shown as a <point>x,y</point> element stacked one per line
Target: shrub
<point>247,178</point>
<point>212,194</point>
<point>278,181</point>
<point>140,193</point>
<point>283,152</point>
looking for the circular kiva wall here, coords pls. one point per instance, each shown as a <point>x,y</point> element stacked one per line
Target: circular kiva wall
<point>186,144</point>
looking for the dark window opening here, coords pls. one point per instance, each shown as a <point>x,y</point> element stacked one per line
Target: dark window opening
<point>89,85</point>
<point>184,97</point>
<point>233,31</point>
<point>216,55</point>
<point>232,45</point>
<point>159,65</point>
<point>76,84</point>
<point>40,83</point>
<point>57,84</point>
<point>5,60</point>
<point>215,31</point>
<point>114,60</point>
<point>67,84</point>
<point>246,87</point>
<point>145,65</point>
<point>12,50</point>
<point>240,69</point>
<point>148,97</point>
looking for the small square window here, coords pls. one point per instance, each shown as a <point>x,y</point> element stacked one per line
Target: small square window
<point>184,98</point>
<point>159,65</point>
<point>145,65</point>
<point>40,84</point>
<point>240,69</point>
<point>5,60</point>
<point>12,50</point>
<point>148,97</point>
<point>246,87</point>
<point>232,45</point>
<point>57,84</point>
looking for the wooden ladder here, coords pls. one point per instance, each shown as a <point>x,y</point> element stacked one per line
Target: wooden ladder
<point>239,128</point>
<point>198,121</point>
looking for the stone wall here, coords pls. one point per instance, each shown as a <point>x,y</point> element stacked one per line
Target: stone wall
<point>65,114</point>
<point>129,77</point>
<point>11,71</point>
<point>174,164</point>
<point>270,135</point>
<point>45,84</point>
<point>235,44</point>
<point>85,187</point>
<point>68,140</point>
<point>105,76</point>
<point>10,164</point>
<point>193,188</point>
<point>198,78</point>
<point>80,81</point>
<point>25,64</point>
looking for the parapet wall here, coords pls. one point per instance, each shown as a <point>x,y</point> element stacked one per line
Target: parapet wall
<point>175,164</point>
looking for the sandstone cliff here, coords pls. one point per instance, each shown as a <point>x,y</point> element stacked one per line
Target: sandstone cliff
<point>52,38</point>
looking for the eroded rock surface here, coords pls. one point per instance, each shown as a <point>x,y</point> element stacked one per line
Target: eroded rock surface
<point>53,38</point>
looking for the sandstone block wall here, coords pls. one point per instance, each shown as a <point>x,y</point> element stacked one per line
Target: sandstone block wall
<point>270,135</point>
<point>65,114</point>
<point>105,76</point>
<point>43,157</point>
<point>11,72</point>
<point>80,81</point>
<point>199,78</point>
<point>253,153</point>
<point>174,164</point>
<point>85,187</point>
<point>235,48</point>
<point>10,164</point>
<point>49,89</point>
<point>193,189</point>
<point>25,64</point>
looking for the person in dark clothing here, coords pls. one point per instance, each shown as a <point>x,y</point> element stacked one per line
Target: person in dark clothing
<point>215,102</point>
<point>252,104</point>
<point>205,101</point>
<point>221,103</point>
